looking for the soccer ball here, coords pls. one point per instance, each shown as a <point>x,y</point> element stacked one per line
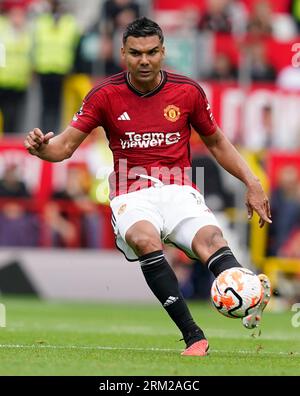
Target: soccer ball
<point>236,291</point>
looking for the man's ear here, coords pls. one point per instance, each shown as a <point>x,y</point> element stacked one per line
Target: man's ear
<point>123,53</point>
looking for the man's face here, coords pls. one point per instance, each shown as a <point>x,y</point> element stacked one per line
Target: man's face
<point>143,57</point>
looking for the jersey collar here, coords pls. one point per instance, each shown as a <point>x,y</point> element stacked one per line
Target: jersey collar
<point>150,93</point>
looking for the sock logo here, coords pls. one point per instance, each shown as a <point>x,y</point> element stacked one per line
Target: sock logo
<point>170,300</point>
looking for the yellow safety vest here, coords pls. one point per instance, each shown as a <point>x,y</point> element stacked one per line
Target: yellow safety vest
<point>296,10</point>
<point>16,73</point>
<point>55,44</point>
<point>100,188</point>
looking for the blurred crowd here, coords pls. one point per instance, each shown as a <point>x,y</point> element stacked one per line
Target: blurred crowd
<point>70,217</point>
<point>46,41</point>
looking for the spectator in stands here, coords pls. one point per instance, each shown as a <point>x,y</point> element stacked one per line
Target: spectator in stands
<point>87,52</point>
<point>238,16</point>
<point>11,185</point>
<point>95,55</point>
<point>295,12</point>
<point>223,69</point>
<point>284,236</point>
<point>56,36</point>
<point>116,14</point>
<point>285,201</point>
<point>59,230</point>
<point>15,76</point>
<point>109,65</point>
<point>259,68</point>
<point>189,20</point>
<point>263,135</point>
<point>260,20</point>
<point>100,164</point>
<point>291,247</point>
<point>76,193</point>
<point>267,133</point>
<point>216,195</point>
<point>18,227</point>
<point>216,17</point>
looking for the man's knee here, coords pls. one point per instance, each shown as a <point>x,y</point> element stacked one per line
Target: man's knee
<point>207,241</point>
<point>143,241</point>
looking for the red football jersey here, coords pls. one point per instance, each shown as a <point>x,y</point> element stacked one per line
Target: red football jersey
<point>148,133</point>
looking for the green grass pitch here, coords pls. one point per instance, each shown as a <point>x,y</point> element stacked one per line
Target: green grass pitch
<point>59,338</point>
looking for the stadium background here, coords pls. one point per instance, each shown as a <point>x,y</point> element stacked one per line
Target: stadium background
<point>55,234</point>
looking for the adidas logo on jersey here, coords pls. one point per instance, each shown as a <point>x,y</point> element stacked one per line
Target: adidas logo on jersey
<point>170,300</point>
<point>124,117</point>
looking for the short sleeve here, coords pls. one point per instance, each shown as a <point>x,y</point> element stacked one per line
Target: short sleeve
<point>201,117</point>
<point>90,114</point>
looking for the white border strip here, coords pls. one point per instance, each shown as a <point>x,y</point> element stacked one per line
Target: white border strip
<point>110,348</point>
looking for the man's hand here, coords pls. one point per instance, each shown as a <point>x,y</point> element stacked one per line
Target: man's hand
<point>256,200</point>
<point>35,141</point>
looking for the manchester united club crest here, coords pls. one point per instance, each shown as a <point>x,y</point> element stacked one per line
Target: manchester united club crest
<point>172,113</point>
<point>122,209</point>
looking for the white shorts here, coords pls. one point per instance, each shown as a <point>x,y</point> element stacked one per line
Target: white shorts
<point>177,212</point>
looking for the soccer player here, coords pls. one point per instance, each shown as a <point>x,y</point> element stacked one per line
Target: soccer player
<point>147,114</point>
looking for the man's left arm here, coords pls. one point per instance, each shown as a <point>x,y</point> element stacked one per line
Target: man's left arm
<point>230,159</point>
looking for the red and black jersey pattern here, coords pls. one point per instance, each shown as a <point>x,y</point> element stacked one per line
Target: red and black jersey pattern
<point>148,133</point>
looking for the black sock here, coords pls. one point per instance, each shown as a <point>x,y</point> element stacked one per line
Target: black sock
<point>222,260</point>
<point>163,282</point>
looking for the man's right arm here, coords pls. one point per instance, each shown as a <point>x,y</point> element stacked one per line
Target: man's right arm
<point>54,148</point>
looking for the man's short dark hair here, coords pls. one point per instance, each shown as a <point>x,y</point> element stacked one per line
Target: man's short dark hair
<point>143,27</point>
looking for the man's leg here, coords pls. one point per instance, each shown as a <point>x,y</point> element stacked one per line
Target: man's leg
<point>212,249</point>
<point>145,240</point>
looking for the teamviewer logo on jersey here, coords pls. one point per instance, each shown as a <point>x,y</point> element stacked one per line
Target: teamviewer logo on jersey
<point>149,139</point>
<point>124,117</point>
